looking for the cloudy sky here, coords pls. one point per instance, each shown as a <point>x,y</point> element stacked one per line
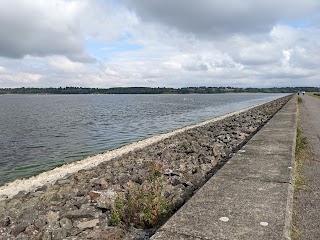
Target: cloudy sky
<point>159,43</point>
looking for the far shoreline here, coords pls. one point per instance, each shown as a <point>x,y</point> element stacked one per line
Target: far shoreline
<point>157,90</point>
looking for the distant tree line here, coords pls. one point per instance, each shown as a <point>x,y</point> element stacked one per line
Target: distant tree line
<point>147,90</point>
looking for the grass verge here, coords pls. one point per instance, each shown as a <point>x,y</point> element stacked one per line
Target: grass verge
<point>302,154</point>
<point>314,94</point>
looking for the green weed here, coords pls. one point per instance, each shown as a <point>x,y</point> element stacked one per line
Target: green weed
<point>145,205</point>
<point>301,143</point>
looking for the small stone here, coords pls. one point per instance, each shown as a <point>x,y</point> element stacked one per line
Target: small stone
<point>3,197</point>
<point>42,188</point>
<point>206,167</point>
<point>168,172</point>
<point>109,233</point>
<point>15,230</point>
<point>107,199</point>
<point>214,161</point>
<point>21,194</point>
<point>52,217</point>
<point>4,232</point>
<point>177,181</point>
<point>226,139</point>
<point>55,203</point>
<point>31,231</point>
<point>137,179</point>
<point>88,224</point>
<point>47,235</point>
<point>37,194</point>
<point>242,136</point>
<point>40,222</point>
<point>78,201</point>
<point>98,183</point>
<point>115,164</point>
<point>251,129</point>
<point>264,224</point>
<point>189,150</point>
<point>63,182</point>
<point>58,234</point>
<point>94,195</point>
<point>22,236</point>
<point>76,214</point>
<point>66,223</point>
<point>103,183</point>
<point>224,219</point>
<point>4,222</point>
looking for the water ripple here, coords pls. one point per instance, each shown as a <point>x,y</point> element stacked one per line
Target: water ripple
<point>40,132</point>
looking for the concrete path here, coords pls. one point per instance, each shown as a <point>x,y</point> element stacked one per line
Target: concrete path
<point>307,202</point>
<point>250,198</point>
<point>310,121</point>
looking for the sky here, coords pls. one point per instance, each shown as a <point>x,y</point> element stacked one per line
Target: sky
<point>159,43</point>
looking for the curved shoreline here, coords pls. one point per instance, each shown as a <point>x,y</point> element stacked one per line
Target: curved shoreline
<point>31,184</point>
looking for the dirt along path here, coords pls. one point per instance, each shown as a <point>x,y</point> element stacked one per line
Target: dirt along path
<point>306,217</point>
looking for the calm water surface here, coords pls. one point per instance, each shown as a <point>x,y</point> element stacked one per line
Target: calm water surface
<point>40,132</point>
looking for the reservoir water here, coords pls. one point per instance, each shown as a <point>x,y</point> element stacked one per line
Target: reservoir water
<point>41,132</point>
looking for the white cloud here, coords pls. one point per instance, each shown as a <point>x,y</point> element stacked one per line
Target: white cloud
<point>286,57</point>
<point>19,79</point>
<point>182,43</point>
<point>220,17</point>
<point>58,27</point>
<point>2,70</point>
<point>39,28</point>
<point>61,63</point>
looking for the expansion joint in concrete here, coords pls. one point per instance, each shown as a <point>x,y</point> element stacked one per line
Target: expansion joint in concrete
<point>184,235</point>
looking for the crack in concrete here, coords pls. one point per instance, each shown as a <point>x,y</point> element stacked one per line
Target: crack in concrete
<point>264,180</point>
<point>184,235</point>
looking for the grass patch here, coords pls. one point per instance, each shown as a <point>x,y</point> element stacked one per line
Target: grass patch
<point>317,95</point>
<point>302,152</point>
<point>299,179</point>
<point>295,233</point>
<point>143,206</point>
<point>314,94</point>
<point>301,143</point>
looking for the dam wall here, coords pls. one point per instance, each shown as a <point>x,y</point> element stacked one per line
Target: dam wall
<point>251,196</point>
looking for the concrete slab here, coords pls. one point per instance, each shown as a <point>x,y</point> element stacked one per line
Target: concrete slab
<point>246,203</point>
<point>268,147</point>
<point>274,133</point>
<point>251,196</point>
<point>264,168</point>
<point>280,117</point>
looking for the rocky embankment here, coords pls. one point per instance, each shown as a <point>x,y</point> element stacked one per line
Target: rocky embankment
<point>79,206</point>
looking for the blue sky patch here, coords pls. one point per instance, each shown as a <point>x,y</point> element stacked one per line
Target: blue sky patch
<point>301,23</point>
<point>103,51</point>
